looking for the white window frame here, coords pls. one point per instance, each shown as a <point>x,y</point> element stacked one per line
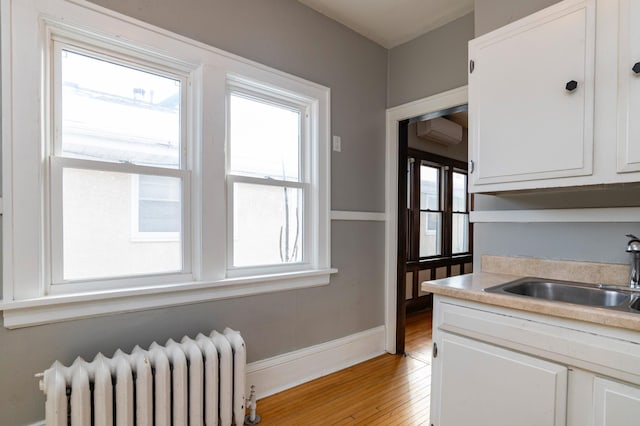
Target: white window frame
<point>308,147</point>
<point>65,39</point>
<point>30,234</point>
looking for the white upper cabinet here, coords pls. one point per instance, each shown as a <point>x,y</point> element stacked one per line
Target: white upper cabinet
<point>629,87</point>
<point>531,93</point>
<point>527,128</point>
<point>531,98</point>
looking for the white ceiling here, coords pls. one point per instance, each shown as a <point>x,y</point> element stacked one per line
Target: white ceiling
<point>392,22</point>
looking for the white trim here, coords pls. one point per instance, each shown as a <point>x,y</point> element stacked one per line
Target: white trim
<point>394,115</point>
<point>308,143</point>
<point>285,371</point>
<point>353,215</point>
<point>613,214</point>
<point>48,309</point>
<point>25,227</point>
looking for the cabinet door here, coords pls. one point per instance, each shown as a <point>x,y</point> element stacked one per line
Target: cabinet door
<point>629,87</point>
<point>527,120</point>
<point>615,404</point>
<point>475,383</point>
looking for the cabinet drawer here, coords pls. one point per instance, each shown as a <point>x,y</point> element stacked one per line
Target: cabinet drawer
<point>544,337</point>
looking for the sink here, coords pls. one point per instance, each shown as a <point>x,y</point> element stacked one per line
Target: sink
<point>569,292</point>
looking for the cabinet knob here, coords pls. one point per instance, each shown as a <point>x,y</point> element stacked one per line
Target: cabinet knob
<point>636,68</point>
<point>571,86</point>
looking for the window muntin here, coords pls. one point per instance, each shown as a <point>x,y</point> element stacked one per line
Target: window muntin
<point>112,109</point>
<point>269,208</point>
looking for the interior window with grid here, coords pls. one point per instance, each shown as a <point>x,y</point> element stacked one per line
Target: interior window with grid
<point>438,207</point>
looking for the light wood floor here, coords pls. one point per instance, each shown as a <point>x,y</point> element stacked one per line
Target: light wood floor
<point>387,390</point>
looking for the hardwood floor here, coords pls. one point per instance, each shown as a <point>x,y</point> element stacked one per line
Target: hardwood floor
<point>387,390</point>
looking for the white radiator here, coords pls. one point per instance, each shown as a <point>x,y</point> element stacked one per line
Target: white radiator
<point>198,381</point>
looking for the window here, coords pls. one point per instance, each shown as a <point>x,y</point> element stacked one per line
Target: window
<point>127,128</point>
<point>267,179</point>
<point>144,170</point>
<point>437,207</point>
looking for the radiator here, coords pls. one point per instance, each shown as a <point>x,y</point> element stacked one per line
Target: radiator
<point>198,381</point>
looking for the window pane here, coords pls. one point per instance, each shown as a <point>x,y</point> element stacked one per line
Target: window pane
<point>116,113</point>
<point>429,188</point>
<point>459,192</point>
<point>97,224</point>
<point>264,139</point>
<point>267,225</point>
<point>159,204</point>
<point>460,233</point>
<point>430,234</point>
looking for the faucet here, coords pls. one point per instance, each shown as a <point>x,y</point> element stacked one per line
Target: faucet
<point>633,247</point>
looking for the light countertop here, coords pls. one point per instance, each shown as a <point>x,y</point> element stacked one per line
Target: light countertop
<point>470,287</point>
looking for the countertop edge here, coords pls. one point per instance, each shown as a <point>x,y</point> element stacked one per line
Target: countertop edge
<point>470,287</point>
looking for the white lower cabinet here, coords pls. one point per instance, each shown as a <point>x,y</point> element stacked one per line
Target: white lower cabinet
<point>615,404</point>
<point>482,384</point>
<point>497,366</point>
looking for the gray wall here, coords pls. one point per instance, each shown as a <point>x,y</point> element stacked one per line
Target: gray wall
<point>430,64</point>
<point>492,14</point>
<point>296,39</point>
<point>597,242</point>
<point>291,37</point>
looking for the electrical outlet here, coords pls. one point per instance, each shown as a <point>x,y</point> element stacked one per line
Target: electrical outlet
<point>337,143</point>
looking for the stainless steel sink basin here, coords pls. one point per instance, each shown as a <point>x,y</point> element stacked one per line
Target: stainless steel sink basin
<point>569,292</point>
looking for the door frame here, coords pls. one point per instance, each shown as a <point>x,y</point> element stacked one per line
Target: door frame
<point>394,116</point>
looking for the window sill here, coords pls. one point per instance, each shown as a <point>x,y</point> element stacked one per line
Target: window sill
<point>49,309</point>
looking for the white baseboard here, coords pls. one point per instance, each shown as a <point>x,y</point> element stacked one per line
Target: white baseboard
<point>285,371</point>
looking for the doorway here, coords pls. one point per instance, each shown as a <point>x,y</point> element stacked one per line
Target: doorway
<point>399,121</point>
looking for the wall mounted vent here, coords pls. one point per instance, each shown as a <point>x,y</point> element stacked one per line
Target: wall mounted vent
<point>440,130</point>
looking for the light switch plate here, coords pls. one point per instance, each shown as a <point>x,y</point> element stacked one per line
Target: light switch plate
<point>337,143</point>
